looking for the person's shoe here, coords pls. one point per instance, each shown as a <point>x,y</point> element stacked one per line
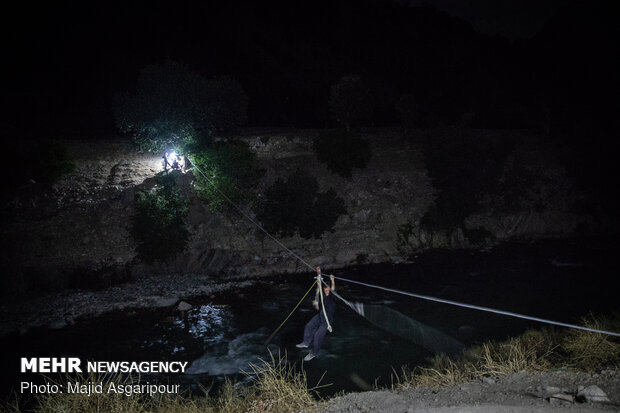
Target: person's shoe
<point>309,356</point>
<point>301,345</point>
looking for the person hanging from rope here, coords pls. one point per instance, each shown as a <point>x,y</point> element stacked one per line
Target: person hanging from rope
<point>317,327</point>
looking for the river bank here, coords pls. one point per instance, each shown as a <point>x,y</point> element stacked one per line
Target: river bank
<point>76,234</point>
<point>20,314</point>
<point>535,392</point>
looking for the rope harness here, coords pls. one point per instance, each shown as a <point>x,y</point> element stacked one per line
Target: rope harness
<point>319,280</point>
<point>289,315</point>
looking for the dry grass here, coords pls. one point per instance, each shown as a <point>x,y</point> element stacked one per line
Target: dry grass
<point>279,387</point>
<point>96,402</point>
<point>535,350</point>
<point>276,387</point>
<point>530,352</point>
<point>588,351</point>
<point>116,402</point>
<point>232,399</point>
<point>442,371</point>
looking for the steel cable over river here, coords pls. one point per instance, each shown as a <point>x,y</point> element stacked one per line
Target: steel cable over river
<point>424,297</point>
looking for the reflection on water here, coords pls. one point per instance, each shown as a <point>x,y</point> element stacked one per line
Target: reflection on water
<point>207,322</point>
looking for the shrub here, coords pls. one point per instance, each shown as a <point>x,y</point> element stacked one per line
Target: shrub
<point>463,167</point>
<point>158,225</point>
<point>295,204</point>
<point>529,351</point>
<point>405,238</point>
<point>478,235</point>
<point>342,151</point>
<point>231,168</point>
<point>173,106</point>
<point>350,101</point>
<point>278,387</point>
<point>589,351</point>
<point>533,179</point>
<point>166,109</point>
<point>443,215</point>
<point>441,371</point>
<point>534,350</point>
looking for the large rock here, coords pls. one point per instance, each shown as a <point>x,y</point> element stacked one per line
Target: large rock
<point>592,394</point>
<point>183,306</point>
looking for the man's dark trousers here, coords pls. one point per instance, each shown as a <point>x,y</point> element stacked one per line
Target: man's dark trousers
<point>314,333</point>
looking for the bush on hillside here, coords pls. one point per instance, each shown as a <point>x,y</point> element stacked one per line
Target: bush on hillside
<point>231,169</point>
<point>342,151</point>
<point>296,205</point>
<point>463,168</point>
<point>158,225</point>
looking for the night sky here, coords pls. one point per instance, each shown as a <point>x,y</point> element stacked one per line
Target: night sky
<point>510,62</point>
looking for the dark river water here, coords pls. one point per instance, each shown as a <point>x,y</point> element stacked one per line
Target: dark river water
<point>559,280</point>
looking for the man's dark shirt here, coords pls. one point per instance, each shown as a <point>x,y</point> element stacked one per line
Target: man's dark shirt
<point>330,306</point>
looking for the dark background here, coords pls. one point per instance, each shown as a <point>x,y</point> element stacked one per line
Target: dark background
<point>514,64</point>
<point>549,67</point>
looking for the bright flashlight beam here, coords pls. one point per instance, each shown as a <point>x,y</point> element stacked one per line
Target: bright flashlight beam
<point>175,160</point>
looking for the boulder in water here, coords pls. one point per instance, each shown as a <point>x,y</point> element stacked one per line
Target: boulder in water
<point>183,306</point>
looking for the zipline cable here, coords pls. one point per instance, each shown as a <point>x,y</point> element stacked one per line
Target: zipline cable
<point>480,308</point>
<point>252,220</point>
<point>424,297</point>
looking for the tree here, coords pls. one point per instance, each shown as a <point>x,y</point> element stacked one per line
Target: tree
<point>158,225</point>
<point>231,168</point>
<point>174,106</point>
<point>350,101</point>
<point>296,205</point>
<point>167,108</point>
<point>463,167</point>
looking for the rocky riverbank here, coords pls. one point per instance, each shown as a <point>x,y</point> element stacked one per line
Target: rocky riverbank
<point>20,314</point>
